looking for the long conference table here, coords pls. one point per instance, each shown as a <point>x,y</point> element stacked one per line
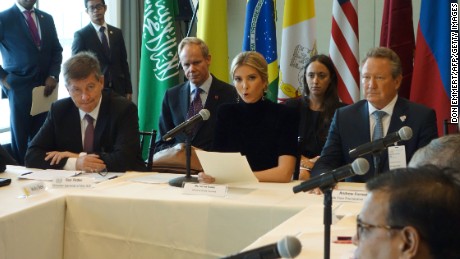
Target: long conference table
<point>121,218</point>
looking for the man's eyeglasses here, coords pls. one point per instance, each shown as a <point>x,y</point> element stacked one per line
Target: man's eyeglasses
<point>98,7</point>
<point>360,226</point>
<point>102,172</point>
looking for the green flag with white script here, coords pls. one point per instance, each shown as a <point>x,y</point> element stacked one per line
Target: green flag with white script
<point>159,61</point>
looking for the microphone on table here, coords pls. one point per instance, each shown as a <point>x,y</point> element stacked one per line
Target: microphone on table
<point>202,115</point>
<point>288,247</point>
<point>359,167</point>
<point>405,133</point>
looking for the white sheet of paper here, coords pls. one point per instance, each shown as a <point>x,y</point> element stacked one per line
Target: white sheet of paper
<point>47,175</point>
<point>40,103</point>
<point>226,167</point>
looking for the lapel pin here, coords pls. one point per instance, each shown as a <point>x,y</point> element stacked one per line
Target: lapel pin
<point>216,97</point>
<point>403,118</point>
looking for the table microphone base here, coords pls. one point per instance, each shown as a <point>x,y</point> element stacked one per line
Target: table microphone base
<point>179,181</point>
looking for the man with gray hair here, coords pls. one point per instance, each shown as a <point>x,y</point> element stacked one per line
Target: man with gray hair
<point>382,112</point>
<point>202,90</point>
<point>441,152</point>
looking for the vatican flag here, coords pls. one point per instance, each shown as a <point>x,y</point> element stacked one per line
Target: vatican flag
<point>298,44</point>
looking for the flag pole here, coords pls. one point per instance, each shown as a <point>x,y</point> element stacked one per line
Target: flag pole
<point>195,11</point>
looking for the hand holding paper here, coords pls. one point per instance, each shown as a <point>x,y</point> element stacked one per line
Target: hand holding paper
<point>226,167</point>
<point>40,103</point>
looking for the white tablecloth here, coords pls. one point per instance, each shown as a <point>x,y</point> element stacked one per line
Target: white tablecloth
<point>31,227</point>
<point>136,220</point>
<point>125,219</point>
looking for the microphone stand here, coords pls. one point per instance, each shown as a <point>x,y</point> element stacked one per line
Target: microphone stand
<point>377,158</point>
<point>327,219</point>
<point>180,181</point>
<point>298,158</point>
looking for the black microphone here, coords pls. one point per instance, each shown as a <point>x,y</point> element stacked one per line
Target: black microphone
<point>359,167</point>
<point>288,247</point>
<point>405,133</point>
<point>200,116</point>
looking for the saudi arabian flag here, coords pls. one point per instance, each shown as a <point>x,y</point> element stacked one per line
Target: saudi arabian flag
<point>298,44</point>
<point>212,29</point>
<point>260,36</point>
<point>159,60</point>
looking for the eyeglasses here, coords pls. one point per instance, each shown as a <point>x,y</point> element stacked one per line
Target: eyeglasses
<point>102,172</point>
<point>360,226</point>
<point>95,7</point>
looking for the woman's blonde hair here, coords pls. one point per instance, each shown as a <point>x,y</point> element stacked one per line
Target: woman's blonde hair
<point>253,59</point>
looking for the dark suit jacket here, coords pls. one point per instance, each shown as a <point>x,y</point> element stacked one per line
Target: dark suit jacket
<point>116,136</point>
<point>176,103</point>
<point>115,67</point>
<point>350,128</point>
<point>26,67</point>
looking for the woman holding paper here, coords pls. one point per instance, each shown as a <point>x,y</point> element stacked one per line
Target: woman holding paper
<point>261,130</point>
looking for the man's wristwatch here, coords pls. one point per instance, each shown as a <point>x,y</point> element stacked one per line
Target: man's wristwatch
<point>55,78</point>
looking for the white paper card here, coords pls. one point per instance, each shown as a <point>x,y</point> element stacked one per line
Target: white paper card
<point>348,195</point>
<point>205,189</point>
<point>73,183</point>
<point>40,102</point>
<point>226,167</point>
<point>397,157</point>
<point>33,188</point>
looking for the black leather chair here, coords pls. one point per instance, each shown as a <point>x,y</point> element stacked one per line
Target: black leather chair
<point>148,137</point>
<point>5,159</point>
<point>450,128</point>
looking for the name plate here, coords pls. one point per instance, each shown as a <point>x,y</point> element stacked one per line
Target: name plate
<point>349,195</point>
<point>33,188</point>
<point>205,189</point>
<point>73,183</point>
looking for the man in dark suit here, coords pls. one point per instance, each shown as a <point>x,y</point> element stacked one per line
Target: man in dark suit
<point>91,130</point>
<point>112,57</point>
<point>354,125</point>
<point>32,57</point>
<point>177,103</point>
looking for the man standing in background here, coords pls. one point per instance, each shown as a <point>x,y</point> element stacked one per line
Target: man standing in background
<point>108,44</point>
<point>32,57</point>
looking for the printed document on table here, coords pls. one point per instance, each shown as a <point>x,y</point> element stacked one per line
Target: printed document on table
<point>226,167</point>
<point>40,103</point>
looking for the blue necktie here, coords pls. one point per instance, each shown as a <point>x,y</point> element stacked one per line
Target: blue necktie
<point>378,129</point>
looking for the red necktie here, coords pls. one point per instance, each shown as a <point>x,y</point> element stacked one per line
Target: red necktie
<point>89,135</point>
<point>196,105</point>
<point>32,27</point>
